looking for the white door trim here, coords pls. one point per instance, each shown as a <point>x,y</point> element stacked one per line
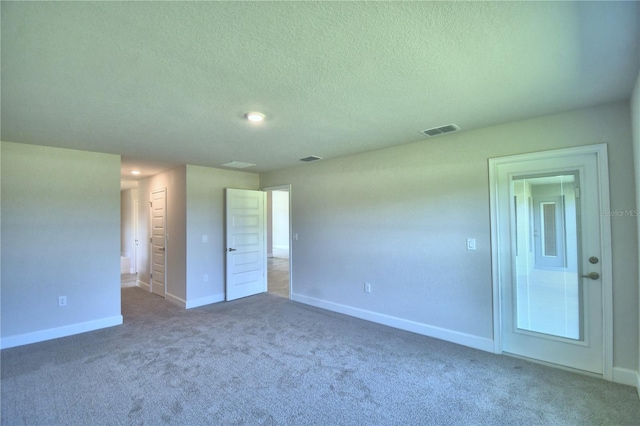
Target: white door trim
<point>134,265</point>
<point>605,237</point>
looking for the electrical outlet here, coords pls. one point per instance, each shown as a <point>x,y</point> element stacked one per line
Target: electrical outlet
<point>205,238</point>
<point>62,301</point>
<point>367,287</point>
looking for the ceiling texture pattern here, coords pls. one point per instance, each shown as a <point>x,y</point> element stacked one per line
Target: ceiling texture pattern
<point>168,83</point>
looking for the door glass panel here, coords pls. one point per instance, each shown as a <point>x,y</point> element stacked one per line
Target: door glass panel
<point>547,286</point>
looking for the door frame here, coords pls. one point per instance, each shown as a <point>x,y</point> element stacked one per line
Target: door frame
<point>600,150</point>
<point>285,187</point>
<point>135,235</point>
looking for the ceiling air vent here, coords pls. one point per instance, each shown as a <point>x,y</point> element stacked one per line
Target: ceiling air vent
<point>311,158</point>
<point>238,165</point>
<point>440,130</point>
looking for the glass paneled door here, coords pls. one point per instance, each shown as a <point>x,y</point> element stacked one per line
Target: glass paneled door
<point>552,262</point>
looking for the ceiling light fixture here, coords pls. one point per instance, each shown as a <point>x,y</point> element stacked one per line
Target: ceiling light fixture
<point>255,116</point>
<point>135,172</point>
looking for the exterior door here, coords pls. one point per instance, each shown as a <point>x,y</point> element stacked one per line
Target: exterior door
<point>158,241</point>
<point>246,245</point>
<point>553,269</point>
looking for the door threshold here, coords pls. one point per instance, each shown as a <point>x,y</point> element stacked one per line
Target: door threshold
<point>557,366</point>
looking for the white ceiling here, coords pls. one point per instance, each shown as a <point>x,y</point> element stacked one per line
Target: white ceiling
<point>168,83</point>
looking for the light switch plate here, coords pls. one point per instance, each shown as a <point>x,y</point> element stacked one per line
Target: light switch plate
<point>471,243</point>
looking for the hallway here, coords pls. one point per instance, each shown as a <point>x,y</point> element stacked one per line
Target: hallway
<point>278,276</point>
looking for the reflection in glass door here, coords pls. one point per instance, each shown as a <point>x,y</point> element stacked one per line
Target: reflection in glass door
<point>547,285</point>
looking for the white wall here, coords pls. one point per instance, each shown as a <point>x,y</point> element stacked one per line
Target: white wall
<point>60,237</point>
<point>280,223</point>
<point>174,181</point>
<point>205,216</point>
<point>399,218</point>
<point>127,234</point>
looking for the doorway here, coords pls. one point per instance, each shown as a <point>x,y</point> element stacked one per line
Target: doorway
<point>552,258</point>
<point>279,240</point>
<point>129,236</point>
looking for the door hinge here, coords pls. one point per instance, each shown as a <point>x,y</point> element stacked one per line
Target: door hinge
<point>150,275</point>
<point>150,204</point>
<point>577,192</point>
<point>150,240</point>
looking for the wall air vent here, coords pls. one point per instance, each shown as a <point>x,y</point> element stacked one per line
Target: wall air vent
<point>238,165</point>
<point>435,131</point>
<point>311,158</point>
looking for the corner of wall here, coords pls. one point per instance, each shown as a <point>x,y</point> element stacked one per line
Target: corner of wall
<point>635,129</point>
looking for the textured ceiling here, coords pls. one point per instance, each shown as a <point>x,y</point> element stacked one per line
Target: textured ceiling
<point>169,82</point>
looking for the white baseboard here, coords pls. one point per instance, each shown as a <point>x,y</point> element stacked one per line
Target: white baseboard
<point>186,304</point>
<point>55,333</point>
<point>280,252</point>
<point>625,376</point>
<point>201,301</point>
<point>464,339</point>
<point>175,300</point>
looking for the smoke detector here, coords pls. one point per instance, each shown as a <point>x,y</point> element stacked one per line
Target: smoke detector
<point>436,131</point>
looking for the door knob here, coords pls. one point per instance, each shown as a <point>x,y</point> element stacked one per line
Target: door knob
<point>592,275</point>
<point>161,249</point>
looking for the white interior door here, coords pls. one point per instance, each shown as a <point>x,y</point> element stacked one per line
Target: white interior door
<point>246,243</point>
<point>552,266</point>
<point>158,241</point>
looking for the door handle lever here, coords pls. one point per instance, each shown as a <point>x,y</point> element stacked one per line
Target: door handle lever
<point>231,249</point>
<point>592,275</point>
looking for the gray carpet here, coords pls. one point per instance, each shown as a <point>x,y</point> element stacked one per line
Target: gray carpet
<point>267,360</point>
